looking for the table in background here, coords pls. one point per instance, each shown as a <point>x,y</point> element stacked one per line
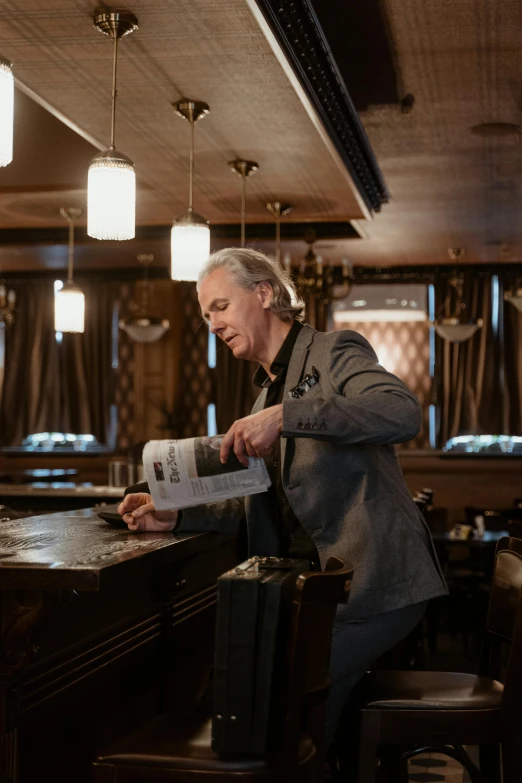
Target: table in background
<point>57,496</point>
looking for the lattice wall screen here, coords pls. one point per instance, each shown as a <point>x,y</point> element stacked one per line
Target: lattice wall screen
<point>403,348</point>
<point>125,376</point>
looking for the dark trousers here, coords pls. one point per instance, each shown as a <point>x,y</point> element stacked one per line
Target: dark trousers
<point>355,645</point>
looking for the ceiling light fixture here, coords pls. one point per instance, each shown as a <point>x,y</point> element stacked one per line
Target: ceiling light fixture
<point>190,234</point>
<point>278,210</point>
<point>6,112</point>
<point>144,327</point>
<point>111,189</point>
<point>245,168</point>
<point>455,327</point>
<point>69,301</point>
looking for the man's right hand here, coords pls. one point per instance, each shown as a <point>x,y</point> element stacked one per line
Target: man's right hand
<point>139,513</point>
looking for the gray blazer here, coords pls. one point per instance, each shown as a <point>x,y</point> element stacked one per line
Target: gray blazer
<point>342,477</point>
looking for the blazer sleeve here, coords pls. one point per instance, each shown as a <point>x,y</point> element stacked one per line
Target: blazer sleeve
<point>224,516</point>
<point>367,405</point>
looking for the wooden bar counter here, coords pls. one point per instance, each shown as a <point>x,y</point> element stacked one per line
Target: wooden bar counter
<point>100,629</point>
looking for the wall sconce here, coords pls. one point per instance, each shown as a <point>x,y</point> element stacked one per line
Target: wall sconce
<point>111,187</point>
<point>145,327</point>
<point>190,234</point>
<point>514,295</point>
<point>6,112</point>
<point>453,325</point>
<point>69,301</point>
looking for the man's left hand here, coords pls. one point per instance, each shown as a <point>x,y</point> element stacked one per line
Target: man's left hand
<point>253,436</point>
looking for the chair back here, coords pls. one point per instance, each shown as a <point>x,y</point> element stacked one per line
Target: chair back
<point>504,625</point>
<point>316,597</point>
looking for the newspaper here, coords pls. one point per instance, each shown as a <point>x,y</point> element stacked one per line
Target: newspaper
<point>188,472</point>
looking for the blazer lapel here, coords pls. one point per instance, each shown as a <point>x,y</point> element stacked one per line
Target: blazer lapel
<point>296,368</point>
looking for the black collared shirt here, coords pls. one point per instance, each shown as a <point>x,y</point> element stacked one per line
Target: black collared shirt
<point>294,540</point>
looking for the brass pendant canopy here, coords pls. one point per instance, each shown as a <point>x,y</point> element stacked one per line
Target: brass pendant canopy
<point>192,111</point>
<point>115,24</point>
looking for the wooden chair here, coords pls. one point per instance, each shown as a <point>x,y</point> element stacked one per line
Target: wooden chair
<point>441,711</point>
<point>177,748</point>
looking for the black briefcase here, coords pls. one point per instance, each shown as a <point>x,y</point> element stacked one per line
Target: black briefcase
<point>253,611</point>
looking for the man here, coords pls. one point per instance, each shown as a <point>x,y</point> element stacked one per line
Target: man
<point>325,422</point>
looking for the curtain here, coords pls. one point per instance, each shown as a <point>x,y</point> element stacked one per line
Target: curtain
<point>512,391</point>
<point>467,382</point>
<point>67,387</point>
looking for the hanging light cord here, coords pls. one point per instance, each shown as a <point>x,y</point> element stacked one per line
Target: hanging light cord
<point>243,207</point>
<point>71,244</point>
<point>191,163</point>
<point>114,91</point>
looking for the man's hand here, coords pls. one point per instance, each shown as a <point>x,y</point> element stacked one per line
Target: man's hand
<point>139,513</point>
<point>253,436</point>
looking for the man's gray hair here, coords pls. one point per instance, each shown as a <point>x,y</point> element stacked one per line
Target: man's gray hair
<point>247,268</point>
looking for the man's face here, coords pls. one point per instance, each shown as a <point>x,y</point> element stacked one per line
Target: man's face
<point>239,316</point>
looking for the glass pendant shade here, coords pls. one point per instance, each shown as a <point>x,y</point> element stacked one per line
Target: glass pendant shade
<point>6,112</point>
<point>69,309</point>
<point>145,329</point>
<point>454,330</point>
<point>111,197</point>
<point>189,246</point>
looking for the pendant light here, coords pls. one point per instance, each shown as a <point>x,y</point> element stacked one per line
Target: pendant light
<point>278,210</point>
<point>6,112</point>
<point>145,327</point>
<point>190,234</point>
<point>244,168</point>
<point>455,327</point>
<point>111,189</point>
<point>69,301</point>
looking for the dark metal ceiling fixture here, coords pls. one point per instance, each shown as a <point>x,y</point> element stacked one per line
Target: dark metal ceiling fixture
<point>111,189</point>
<point>245,169</point>
<point>69,300</point>
<point>190,234</point>
<point>143,327</point>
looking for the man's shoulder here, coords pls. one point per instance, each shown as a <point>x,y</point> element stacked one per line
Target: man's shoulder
<point>339,338</point>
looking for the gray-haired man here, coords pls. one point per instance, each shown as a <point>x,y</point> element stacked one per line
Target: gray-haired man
<point>337,485</point>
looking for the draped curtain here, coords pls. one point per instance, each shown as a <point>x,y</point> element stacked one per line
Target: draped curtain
<point>512,391</point>
<point>235,392</point>
<point>48,386</point>
<point>468,375</point>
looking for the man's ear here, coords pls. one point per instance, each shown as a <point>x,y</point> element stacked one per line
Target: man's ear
<point>266,293</point>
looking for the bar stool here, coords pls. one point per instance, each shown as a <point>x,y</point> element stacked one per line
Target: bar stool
<point>174,748</point>
<point>441,711</point>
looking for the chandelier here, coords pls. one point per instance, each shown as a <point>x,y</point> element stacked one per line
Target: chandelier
<point>325,282</point>
<point>69,301</point>
<point>143,327</point>
<point>190,234</point>
<point>453,325</point>
<point>111,186</point>
<point>6,112</point>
